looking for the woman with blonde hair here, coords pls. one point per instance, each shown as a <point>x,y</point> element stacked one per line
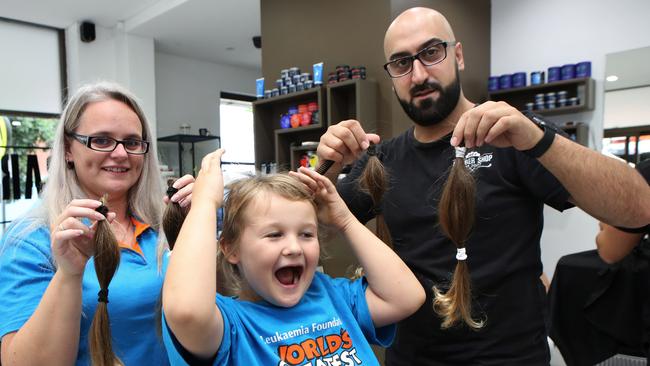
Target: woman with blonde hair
<point>52,308</point>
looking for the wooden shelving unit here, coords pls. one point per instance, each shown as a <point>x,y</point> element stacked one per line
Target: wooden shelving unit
<point>269,137</point>
<point>352,99</point>
<point>583,88</point>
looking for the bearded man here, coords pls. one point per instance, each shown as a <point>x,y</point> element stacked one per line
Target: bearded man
<point>519,164</point>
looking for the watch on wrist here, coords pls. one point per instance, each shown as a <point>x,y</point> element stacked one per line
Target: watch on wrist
<point>547,139</point>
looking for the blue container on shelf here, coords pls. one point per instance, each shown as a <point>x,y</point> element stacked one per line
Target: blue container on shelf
<point>493,83</point>
<point>505,81</point>
<point>518,79</point>
<point>554,74</point>
<point>583,69</point>
<point>259,88</point>
<point>568,71</point>
<point>537,77</point>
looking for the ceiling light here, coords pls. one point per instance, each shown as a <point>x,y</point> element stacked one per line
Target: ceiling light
<point>611,78</point>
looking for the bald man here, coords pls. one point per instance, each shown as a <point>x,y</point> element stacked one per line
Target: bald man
<point>519,164</point>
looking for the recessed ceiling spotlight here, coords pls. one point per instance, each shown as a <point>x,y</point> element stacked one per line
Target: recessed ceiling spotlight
<point>611,78</point>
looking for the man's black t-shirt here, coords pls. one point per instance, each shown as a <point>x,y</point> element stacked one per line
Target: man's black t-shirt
<point>503,249</point>
<point>644,168</point>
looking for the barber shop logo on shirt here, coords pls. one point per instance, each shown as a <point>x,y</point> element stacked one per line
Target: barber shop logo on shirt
<point>475,160</point>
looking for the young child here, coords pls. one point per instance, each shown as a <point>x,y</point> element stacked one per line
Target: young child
<point>286,312</point>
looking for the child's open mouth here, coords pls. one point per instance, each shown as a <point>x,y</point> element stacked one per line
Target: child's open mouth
<point>289,275</point>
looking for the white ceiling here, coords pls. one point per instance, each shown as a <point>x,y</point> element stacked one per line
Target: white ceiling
<point>218,31</point>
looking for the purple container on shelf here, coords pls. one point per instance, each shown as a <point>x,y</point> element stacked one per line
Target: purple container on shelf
<point>583,69</point>
<point>518,79</point>
<point>554,74</point>
<point>493,83</point>
<point>568,71</point>
<point>285,121</point>
<point>505,81</point>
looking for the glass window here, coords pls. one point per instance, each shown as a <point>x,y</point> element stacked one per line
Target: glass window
<point>24,151</point>
<point>236,131</point>
<point>631,145</point>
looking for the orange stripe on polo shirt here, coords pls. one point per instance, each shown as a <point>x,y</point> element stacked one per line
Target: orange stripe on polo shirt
<point>140,227</point>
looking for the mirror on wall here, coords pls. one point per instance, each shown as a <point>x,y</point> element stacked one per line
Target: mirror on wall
<point>626,119</point>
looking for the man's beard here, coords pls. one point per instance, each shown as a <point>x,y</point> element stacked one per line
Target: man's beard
<point>431,112</point>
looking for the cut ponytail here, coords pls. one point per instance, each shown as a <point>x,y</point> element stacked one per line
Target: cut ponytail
<point>107,259</point>
<point>456,215</point>
<point>172,221</point>
<point>173,217</point>
<point>374,182</point>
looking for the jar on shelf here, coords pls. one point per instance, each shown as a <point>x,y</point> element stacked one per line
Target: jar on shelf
<point>185,128</point>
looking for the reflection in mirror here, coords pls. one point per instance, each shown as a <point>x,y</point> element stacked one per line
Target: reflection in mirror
<point>627,108</point>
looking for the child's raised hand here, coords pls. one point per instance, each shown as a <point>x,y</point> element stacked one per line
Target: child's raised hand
<point>332,209</point>
<point>208,186</point>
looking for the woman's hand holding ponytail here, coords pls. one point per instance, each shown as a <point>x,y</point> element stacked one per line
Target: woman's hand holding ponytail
<point>71,239</point>
<point>185,185</point>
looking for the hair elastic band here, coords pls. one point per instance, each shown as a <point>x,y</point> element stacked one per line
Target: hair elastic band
<point>461,254</point>
<point>372,150</point>
<point>102,209</point>
<point>171,191</point>
<point>460,151</point>
<point>102,296</point>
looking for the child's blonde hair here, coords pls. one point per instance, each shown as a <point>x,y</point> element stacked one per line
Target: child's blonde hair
<point>241,194</point>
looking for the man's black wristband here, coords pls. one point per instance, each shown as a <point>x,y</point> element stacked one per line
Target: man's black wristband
<point>549,135</point>
<point>543,145</point>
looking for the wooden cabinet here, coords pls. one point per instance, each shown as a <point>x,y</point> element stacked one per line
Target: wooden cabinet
<point>271,141</point>
<point>582,88</point>
<point>352,99</point>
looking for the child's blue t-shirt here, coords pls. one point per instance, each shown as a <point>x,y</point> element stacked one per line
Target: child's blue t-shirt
<point>331,325</point>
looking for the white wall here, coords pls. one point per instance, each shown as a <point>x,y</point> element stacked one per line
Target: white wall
<point>188,91</point>
<point>530,35</point>
<point>89,62</point>
<point>30,71</point>
<point>172,89</point>
<point>136,70</point>
<point>114,56</point>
